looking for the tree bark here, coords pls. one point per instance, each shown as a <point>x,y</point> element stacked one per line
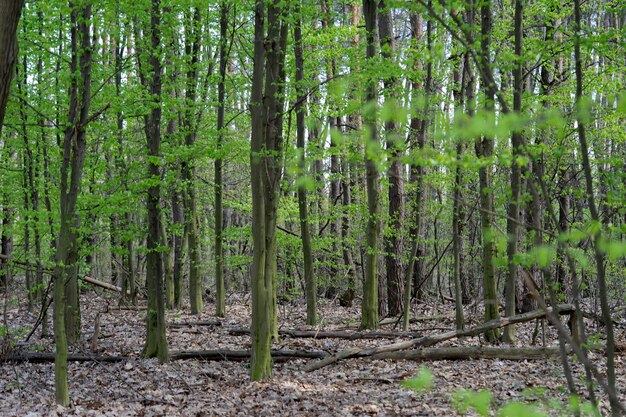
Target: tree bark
<point>595,216</point>
<point>310,282</point>
<point>517,143</point>
<point>484,150</point>
<point>394,243</point>
<point>74,149</point>
<point>220,289</point>
<point>369,306</point>
<point>192,50</point>
<point>156,341</point>
<point>9,19</point>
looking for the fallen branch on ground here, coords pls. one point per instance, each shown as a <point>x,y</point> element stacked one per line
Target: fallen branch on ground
<point>419,319</point>
<point>195,323</point>
<point>434,339</point>
<point>313,334</point>
<point>101,284</point>
<point>469,352</point>
<point>207,355</point>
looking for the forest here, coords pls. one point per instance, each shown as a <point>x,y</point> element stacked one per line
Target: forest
<point>313,207</point>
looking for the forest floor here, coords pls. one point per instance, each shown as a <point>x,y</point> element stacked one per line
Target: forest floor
<point>353,387</point>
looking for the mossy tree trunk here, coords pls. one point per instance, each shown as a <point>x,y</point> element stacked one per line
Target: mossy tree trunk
<point>266,169</point>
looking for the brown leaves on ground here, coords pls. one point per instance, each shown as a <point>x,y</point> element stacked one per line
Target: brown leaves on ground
<point>356,387</point>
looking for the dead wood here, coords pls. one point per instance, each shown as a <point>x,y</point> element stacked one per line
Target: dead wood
<point>101,284</point>
<point>43,357</point>
<point>314,334</point>
<point>419,319</point>
<point>426,341</point>
<point>469,352</point>
<point>207,355</point>
<point>242,355</point>
<point>195,323</point>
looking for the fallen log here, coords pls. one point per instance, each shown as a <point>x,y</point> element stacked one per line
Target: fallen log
<point>418,319</point>
<point>101,284</point>
<point>195,323</point>
<point>314,334</point>
<point>207,355</point>
<point>426,341</point>
<point>242,355</point>
<point>469,352</point>
<point>43,357</point>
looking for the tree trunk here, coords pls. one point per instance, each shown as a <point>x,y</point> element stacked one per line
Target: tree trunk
<point>595,216</point>
<point>484,149</point>
<point>220,290</point>
<point>156,341</point>
<point>74,150</point>
<point>192,50</point>
<point>394,243</point>
<point>369,307</point>
<point>517,142</point>
<point>9,18</point>
<point>310,282</point>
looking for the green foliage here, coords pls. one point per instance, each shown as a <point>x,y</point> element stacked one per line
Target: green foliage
<point>421,382</point>
<point>464,400</point>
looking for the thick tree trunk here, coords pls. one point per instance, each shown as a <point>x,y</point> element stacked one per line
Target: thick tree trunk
<point>9,19</point>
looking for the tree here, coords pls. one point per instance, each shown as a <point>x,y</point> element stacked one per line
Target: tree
<point>220,290</point>
<point>265,170</point>
<point>74,148</point>
<point>11,10</point>
<point>394,244</point>
<point>484,149</point>
<point>369,307</point>
<point>192,51</point>
<point>310,281</point>
<point>156,342</point>
<point>517,142</point>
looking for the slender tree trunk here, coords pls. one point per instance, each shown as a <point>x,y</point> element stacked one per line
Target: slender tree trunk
<point>260,330</point>
<point>517,142</point>
<point>192,50</point>
<point>179,250</point>
<point>484,150</point>
<point>369,307</point>
<point>74,150</point>
<point>394,243</point>
<point>220,290</point>
<point>156,341</point>
<point>310,282</point>
<point>595,216</point>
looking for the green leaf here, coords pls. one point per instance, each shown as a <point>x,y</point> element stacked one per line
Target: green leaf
<point>519,409</point>
<point>421,382</point>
